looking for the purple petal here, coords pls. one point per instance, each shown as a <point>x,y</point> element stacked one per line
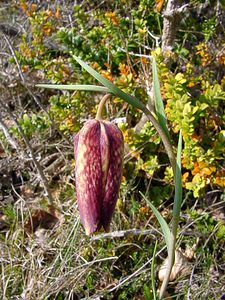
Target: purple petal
<point>116,150</point>
<point>88,173</point>
<point>104,146</point>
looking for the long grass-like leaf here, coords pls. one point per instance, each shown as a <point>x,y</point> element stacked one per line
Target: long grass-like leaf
<point>75,87</point>
<point>178,181</point>
<point>111,87</point>
<point>147,293</point>
<point>164,226</point>
<point>153,272</point>
<point>175,220</point>
<point>159,106</point>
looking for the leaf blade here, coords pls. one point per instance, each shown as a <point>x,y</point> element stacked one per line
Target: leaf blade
<point>164,226</point>
<point>75,87</point>
<point>178,180</point>
<point>112,88</point>
<point>159,106</point>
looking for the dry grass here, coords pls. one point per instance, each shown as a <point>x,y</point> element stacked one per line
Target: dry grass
<point>62,263</point>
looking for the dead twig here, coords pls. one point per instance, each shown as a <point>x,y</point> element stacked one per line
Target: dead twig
<point>8,136</point>
<point>35,161</point>
<point>124,233</point>
<point>54,125</point>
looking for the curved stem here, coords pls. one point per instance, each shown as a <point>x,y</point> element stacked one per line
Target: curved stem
<point>171,257</point>
<point>175,220</point>
<point>164,138</point>
<point>100,107</point>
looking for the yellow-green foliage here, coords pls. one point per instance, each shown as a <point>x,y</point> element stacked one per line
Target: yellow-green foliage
<point>201,120</point>
<point>193,102</point>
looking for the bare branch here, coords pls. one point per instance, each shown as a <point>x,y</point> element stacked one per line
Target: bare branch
<point>8,136</point>
<point>54,125</point>
<point>124,233</point>
<point>35,161</point>
<point>172,16</point>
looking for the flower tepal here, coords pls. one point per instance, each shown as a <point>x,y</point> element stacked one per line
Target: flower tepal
<point>99,151</point>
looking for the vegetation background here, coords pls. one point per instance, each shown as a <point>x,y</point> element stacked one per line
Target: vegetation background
<point>44,253</point>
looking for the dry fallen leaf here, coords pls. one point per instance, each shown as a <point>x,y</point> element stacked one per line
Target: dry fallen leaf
<point>41,219</point>
<point>190,252</point>
<point>2,153</point>
<point>181,267</point>
<point>3,221</point>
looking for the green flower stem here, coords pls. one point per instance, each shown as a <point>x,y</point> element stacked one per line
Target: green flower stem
<point>171,257</point>
<point>101,106</point>
<point>175,219</point>
<point>178,196</point>
<point>164,137</point>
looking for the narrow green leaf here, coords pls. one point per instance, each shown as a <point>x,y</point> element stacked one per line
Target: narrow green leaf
<point>178,181</point>
<point>147,293</point>
<point>153,272</point>
<point>75,87</point>
<point>159,106</point>
<point>111,87</point>
<point>164,226</point>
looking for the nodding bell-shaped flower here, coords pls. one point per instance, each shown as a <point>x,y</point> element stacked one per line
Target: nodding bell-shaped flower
<point>99,149</point>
